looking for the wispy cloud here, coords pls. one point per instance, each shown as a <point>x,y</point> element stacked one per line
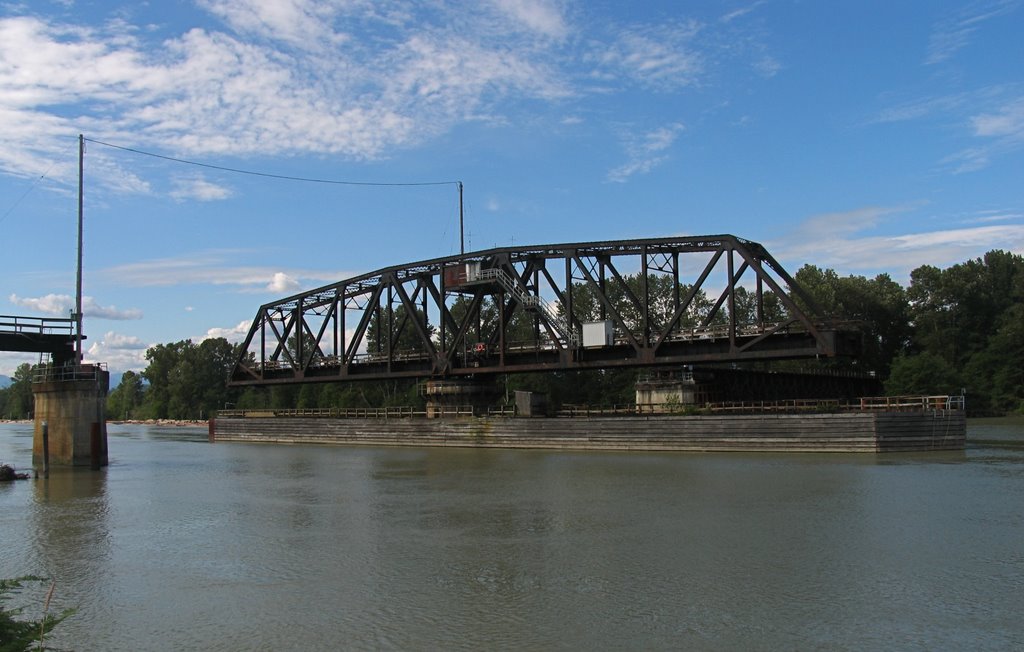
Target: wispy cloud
<point>999,130</point>
<point>1006,121</point>
<point>218,267</point>
<point>661,57</point>
<point>740,12</point>
<point>993,116</point>
<point>540,16</point>
<point>353,79</point>
<point>61,305</point>
<point>646,151</point>
<point>843,241</point>
<point>302,85</point>
<point>955,31</point>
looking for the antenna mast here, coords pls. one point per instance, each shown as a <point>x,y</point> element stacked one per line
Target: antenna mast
<point>462,229</point>
<point>78,280</point>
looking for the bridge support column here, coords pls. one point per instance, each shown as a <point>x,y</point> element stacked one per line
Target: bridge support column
<point>72,403</point>
<point>459,397</point>
<point>668,392</point>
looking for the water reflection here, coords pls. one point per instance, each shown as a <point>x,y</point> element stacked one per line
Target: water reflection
<point>182,544</point>
<point>70,532</point>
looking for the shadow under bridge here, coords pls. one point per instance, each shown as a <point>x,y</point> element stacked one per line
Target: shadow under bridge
<point>592,305</point>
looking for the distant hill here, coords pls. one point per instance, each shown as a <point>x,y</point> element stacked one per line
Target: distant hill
<point>5,381</point>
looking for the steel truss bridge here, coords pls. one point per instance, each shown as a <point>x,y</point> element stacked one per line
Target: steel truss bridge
<point>592,305</point>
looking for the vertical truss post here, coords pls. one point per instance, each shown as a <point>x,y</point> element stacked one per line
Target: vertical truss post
<point>732,301</point>
<point>567,305</point>
<point>299,325</point>
<point>675,281</point>
<point>645,313</point>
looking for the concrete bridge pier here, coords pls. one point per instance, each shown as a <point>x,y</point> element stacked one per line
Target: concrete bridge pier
<point>71,416</point>
<point>459,397</point>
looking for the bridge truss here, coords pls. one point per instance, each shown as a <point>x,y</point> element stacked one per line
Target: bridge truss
<point>592,305</point>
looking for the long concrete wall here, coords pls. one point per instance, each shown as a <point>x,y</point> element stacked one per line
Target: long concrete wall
<point>866,432</point>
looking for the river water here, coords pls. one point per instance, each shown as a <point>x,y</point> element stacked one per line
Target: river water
<point>181,544</point>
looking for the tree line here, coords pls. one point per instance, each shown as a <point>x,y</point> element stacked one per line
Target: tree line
<point>953,329</point>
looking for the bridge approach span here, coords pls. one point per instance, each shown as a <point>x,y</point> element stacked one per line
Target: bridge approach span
<point>39,335</point>
<point>591,305</point>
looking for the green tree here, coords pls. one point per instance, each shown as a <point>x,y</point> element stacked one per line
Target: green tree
<point>922,374</point>
<point>188,381</point>
<point>404,336</point>
<point>17,401</point>
<point>878,306</point>
<point>127,397</point>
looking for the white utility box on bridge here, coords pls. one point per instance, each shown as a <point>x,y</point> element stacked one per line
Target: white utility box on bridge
<point>598,333</point>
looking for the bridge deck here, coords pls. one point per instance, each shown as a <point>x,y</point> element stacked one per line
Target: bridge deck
<point>38,335</point>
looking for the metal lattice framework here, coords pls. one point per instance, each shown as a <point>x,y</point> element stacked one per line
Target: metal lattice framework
<point>541,308</point>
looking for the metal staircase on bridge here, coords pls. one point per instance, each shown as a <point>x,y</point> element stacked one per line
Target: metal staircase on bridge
<point>528,301</point>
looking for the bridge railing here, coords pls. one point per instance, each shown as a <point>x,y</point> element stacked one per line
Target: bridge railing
<point>37,325</point>
<point>901,403</point>
<point>60,373</point>
<point>789,406</point>
<point>393,412</point>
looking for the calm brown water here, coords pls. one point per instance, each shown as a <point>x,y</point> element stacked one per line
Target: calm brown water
<point>181,544</point>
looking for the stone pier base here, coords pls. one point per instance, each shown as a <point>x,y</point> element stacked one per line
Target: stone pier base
<point>73,406</point>
<point>458,397</point>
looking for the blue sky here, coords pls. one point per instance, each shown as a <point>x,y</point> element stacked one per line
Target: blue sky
<point>868,137</point>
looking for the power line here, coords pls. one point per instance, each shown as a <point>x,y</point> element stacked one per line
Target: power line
<point>25,194</point>
<point>268,174</point>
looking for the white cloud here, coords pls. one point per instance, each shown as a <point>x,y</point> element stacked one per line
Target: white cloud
<point>118,341</point>
<point>118,351</point>
<point>1006,121</point>
<point>11,360</point>
<point>61,305</point>
<point>234,334</point>
<point>989,216</point>
<point>281,283</point>
<point>206,91</point>
<point>199,189</point>
<point>116,358</point>
<point>301,23</point>
<point>645,151</point>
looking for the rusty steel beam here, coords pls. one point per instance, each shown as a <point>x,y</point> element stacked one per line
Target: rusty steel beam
<point>522,309</point>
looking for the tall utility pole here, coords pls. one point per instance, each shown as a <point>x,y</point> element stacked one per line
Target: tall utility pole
<point>462,230</point>
<point>78,280</point>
